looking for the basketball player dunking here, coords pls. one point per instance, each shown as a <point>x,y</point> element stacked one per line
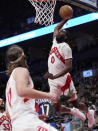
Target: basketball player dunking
<point>59,78</point>
<point>21,95</point>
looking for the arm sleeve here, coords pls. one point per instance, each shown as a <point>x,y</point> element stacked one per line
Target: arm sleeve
<point>67,52</point>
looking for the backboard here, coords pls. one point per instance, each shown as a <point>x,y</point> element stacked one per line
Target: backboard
<point>90,5</point>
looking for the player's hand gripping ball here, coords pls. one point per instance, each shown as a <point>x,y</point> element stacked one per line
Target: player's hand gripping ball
<point>66,12</point>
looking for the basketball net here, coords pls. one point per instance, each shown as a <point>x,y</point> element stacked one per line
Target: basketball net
<point>44,11</point>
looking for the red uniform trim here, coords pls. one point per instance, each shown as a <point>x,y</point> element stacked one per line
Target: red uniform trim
<point>37,108</point>
<point>9,97</point>
<point>27,99</point>
<point>67,85</point>
<point>57,54</point>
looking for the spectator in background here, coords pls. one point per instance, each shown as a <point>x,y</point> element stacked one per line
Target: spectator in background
<point>5,124</point>
<point>96,122</point>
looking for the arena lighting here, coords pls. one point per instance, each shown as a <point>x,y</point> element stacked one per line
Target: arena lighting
<point>49,29</point>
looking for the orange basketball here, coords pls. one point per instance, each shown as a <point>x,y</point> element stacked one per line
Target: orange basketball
<point>66,12</point>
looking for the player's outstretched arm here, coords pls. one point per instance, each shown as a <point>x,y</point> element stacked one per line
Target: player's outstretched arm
<point>22,77</point>
<point>58,27</point>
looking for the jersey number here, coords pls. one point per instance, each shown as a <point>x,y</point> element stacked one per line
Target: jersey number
<point>45,106</point>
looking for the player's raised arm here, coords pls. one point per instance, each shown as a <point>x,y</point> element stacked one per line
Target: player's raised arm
<point>58,27</point>
<point>66,13</point>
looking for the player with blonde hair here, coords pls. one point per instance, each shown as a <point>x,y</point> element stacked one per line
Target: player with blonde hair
<point>21,95</point>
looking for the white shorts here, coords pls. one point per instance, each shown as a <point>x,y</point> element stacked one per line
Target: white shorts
<point>34,124</point>
<point>56,88</point>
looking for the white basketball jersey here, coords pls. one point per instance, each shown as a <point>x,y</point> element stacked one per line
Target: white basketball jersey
<point>4,123</point>
<point>57,58</point>
<point>18,107</point>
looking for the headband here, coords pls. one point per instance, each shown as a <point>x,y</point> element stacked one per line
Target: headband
<point>18,59</point>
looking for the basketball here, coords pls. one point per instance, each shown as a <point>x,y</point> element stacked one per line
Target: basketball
<point>66,12</point>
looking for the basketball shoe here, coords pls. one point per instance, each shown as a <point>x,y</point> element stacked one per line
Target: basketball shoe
<point>76,112</point>
<point>91,119</point>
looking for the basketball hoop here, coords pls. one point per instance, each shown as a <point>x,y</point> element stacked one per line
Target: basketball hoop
<point>44,11</point>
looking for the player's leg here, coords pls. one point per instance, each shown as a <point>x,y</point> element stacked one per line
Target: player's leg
<point>59,108</point>
<point>54,90</point>
<point>81,106</point>
<point>73,111</point>
<point>74,99</point>
<point>88,112</point>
